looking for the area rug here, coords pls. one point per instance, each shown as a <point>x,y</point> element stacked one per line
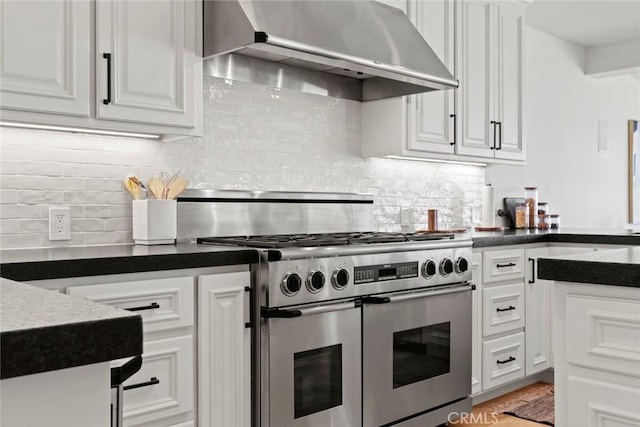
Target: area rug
<point>540,410</point>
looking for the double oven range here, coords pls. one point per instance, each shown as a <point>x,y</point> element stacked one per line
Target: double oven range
<point>357,328</point>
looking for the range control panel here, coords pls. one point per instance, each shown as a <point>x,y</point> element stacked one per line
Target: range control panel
<point>381,272</point>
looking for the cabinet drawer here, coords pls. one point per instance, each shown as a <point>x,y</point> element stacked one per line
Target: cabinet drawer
<point>162,303</point>
<point>502,360</point>
<point>604,333</point>
<point>503,265</point>
<point>164,382</point>
<point>502,308</point>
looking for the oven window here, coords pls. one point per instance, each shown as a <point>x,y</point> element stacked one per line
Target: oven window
<point>421,353</point>
<point>317,380</point>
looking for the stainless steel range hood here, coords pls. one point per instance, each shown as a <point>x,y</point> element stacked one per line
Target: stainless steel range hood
<point>362,50</point>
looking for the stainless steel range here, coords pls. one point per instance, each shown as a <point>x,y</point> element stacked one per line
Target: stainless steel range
<point>357,328</point>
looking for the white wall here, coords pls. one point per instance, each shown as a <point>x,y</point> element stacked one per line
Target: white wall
<point>586,187</point>
<point>255,138</point>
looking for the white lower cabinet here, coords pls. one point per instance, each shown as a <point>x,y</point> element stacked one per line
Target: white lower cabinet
<point>597,366</point>
<point>224,346</point>
<point>476,328</point>
<point>503,360</point>
<point>538,299</point>
<point>162,392</point>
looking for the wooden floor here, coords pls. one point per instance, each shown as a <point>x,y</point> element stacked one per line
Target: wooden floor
<point>489,413</point>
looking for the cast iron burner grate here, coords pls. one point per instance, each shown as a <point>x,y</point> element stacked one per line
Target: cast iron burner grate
<point>324,239</point>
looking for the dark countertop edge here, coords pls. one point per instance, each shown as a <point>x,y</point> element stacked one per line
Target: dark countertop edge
<point>589,272</point>
<point>604,239</point>
<point>37,350</point>
<point>58,269</point>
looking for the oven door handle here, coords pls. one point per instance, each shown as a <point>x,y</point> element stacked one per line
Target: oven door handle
<point>431,293</point>
<point>288,313</point>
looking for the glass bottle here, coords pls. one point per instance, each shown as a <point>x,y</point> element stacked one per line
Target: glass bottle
<point>543,222</point>
<point>554,222</point>
<point>543,208</point>
<point>531,198</point>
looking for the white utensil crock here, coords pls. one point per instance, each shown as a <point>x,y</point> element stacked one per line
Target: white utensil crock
<point>154,222</point>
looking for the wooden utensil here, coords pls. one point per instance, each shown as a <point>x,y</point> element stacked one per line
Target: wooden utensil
<point>130,183</point>
<point>156,185</point>
<point>176,187</point>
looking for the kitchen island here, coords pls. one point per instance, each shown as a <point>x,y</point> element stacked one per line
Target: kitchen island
<point>597,344</point>
<point>55,359</point>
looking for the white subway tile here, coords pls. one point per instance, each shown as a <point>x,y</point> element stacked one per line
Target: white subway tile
<point>104,211</point>
<point>38,168</point>
<point>84,197</point>
<point>8,197</point>
<point>118,224</point>
<point>104,238</point>
<point>16,241</point>
<point>82,225</point>
<point>30,226</point>
<point>8,226</point>
<point>19,211</point>
<point>40,197</point>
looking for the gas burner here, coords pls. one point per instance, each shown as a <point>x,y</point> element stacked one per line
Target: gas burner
<point>323,239</point>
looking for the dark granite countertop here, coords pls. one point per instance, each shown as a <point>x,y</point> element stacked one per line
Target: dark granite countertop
<point>55,263</point>
<point>619,267</point>
<point>44,330</point>
<point>569,235</point>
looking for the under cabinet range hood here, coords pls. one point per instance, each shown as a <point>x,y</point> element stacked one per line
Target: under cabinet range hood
<point>361,49</point>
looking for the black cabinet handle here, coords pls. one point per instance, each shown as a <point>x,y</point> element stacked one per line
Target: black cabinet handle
<point>151,306</point>
<point>499,147</point>
<point>279,313</point>
<point>251,321</point>
<point>502,362</point>
<point>107,56</point>
<point>494,135</point>
<point>511,264</point>
<point>533,270</point>
<point>455,125</point>
<point>499,310</point>
<point>375,300</point>
<point>152,381</point>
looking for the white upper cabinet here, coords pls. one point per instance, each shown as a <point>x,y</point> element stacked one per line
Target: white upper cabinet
<point>481,43</point>
<point>45,56</point>
<point>432,114</point>
<point>490,52</point>
<point>145,61</point>
<point>117,65</point>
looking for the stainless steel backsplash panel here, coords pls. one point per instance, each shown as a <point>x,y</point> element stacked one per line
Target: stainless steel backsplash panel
<point>204,213</point>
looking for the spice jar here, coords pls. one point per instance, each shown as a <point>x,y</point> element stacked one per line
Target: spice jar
<point>543,222</point>
<point>543,208</point>
<point>522,215</point>
<point>531,198</point>
<point>554,221</point>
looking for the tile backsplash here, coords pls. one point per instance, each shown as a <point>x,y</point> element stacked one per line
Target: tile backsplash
<point>256,138</point>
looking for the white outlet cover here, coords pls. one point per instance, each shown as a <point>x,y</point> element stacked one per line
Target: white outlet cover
<point>59,224</point>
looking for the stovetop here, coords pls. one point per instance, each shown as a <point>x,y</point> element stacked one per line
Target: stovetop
<point>323,239</point>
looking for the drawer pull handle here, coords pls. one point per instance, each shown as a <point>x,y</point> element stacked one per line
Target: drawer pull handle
<point>533,270</point>
<point>500,310</point>
<point>502,362</point>
<point>107,56</point>
<point>152,381</point>
<point>511,264</point>
<point>144,307</point>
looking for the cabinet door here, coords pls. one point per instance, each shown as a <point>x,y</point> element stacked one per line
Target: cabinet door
<point>474,97</point>
<point>538,315</point>
<point>509,82</point>
<point>430,119</point>
<point>150,74</point>
<point>45,49</point>
<point>224,346</point>
<point>476,331</point>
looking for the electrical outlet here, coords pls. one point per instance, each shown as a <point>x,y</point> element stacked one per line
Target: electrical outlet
<point>59,224</point>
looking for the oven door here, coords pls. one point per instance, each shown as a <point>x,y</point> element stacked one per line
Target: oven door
<point>416,352</point>
<point>314,359</point>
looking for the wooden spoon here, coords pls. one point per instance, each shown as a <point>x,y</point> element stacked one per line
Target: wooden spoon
<point>176,187</point>
<point>131,185</point>
<point>156,185</point>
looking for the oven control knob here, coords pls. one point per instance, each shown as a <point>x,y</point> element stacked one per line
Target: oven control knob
<point>446,267</point>
<point>291,283</point>
<point>462,265</point>
<point>340,278</point>
<point>315,281</point>
<point>429,269</point>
